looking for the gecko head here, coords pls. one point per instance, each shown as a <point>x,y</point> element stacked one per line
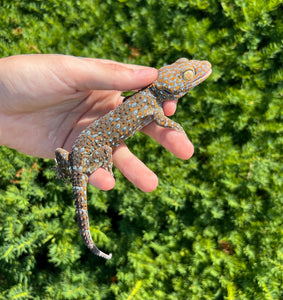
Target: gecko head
<point>175,80</point>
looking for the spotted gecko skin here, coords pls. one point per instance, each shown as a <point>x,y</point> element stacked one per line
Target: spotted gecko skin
<point>94,146</point>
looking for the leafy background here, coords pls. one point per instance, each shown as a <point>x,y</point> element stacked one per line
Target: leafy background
<point>213,228</point>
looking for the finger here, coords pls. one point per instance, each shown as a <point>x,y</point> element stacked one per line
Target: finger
<point>169,107</point>
<point>102,179</point>
<point>134,169</point>
<point>96,74</point>
<point>174,141</point>
<point>108,61</point>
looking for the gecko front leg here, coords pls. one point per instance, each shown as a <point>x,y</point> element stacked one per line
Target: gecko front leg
<point>163,121</point>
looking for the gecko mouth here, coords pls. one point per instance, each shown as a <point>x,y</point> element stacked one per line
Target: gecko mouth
<point>168,92</point>
<point>202,77</point>
<point>206,74</point>
<point>207,71</point>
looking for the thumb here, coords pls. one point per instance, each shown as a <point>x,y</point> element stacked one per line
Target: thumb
<point>99,74</point>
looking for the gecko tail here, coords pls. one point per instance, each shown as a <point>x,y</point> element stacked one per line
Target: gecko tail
<point>79,189</point>
<point>98,252</point>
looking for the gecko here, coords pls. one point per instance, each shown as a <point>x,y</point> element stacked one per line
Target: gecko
<point>94,146</point>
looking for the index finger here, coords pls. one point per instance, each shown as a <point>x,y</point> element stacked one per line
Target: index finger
<point>97,74</point>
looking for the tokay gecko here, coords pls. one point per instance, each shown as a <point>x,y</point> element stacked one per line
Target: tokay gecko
<point>94,146</point>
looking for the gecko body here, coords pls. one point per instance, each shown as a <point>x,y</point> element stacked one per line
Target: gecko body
<point>94,146</point>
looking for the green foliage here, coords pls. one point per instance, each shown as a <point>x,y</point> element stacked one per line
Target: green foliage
<point>213,228</point>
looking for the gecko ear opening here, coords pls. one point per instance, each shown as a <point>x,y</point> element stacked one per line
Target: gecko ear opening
<point>189,75</point>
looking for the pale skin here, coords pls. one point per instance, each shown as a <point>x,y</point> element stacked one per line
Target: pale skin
<point>47,100</point>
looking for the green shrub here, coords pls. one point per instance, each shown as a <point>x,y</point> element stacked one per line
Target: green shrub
<point>213,228</point>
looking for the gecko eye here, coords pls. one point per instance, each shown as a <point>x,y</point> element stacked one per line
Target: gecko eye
<point>189,75</point>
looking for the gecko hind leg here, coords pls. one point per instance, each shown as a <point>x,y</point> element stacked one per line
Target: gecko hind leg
<point>102,157</point>
<point>62,167</point>
<point>108,163</point>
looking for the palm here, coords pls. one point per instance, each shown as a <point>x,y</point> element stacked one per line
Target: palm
<point>49,108</point>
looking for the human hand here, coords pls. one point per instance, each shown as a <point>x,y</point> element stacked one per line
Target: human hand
<point>47,100</point>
